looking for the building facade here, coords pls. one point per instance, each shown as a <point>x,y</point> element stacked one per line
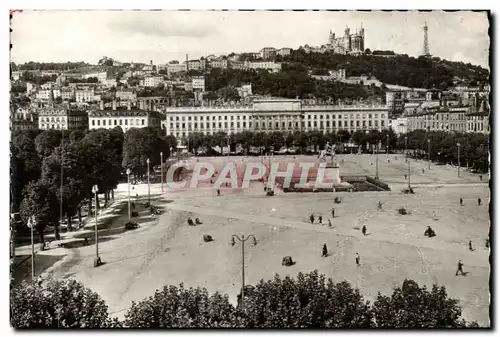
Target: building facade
<point>126,118</point>
<point>440,119</point>
<point>267,53</point>
<point>270,115</point>
<point>219,63</point>
<point>478,122</point>
<point>347,44</point>
<point>153,81</point>
<point>284,51</point>
<point>62,117</point>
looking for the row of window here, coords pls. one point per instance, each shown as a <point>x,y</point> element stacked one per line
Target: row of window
<point>121,122</point>
<point>310,124</point>
<point>232,117</point>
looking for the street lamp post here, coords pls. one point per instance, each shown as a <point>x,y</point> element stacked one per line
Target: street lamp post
<point>458,168</point>
<point>161,169</point>
<point>429,153</point>
<point>128,184</point>
<point>376,164</point>
<point>406,147</point>
<point>97,260</point>
<point>149,194</point>
<point>409,176</point>
<point>387,147</point>
<point>32,222</point>
<point>243,239</point>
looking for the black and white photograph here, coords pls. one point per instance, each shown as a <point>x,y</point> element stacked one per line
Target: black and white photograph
<point>250,169</point>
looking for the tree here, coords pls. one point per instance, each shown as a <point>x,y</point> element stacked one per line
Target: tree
<point>40,201</point>
<point>58,304</point>
<point>24,164</point>
<point>289,140</point>
<point>411,306</point>
<point>178,307</point>
<point>310,301</point>
<point>74,178</point>
<point>142,144</point>
<point>47,141</point>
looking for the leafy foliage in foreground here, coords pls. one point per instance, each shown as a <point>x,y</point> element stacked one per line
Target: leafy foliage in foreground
<point>58,304</point>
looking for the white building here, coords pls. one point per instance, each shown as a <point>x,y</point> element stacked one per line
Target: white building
<point>153,81</point>
<point>126,118</point>
<point>198,83</point>
<point>45,93</point>
<point>245,90</point>
<point>286,115</point>
<point>86,95</point>
<point>399,125</point>
<point>175,68</point>
<point>101,76</point>
<point>110,82</point>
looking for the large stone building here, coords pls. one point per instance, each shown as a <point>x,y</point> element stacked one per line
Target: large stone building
<point>440,119</point>
<point>61,117</point>
<point>347,44</point>
<point>286,115</point>
<point>126,118</point>
<point>478,122</point>
<point>22,119</point>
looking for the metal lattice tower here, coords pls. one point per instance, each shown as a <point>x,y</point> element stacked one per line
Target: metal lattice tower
<point>426,41</point>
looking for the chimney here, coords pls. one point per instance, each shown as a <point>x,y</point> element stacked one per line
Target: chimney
<point>101,105</point>
<point>114,104</point>
<point>129,106</point>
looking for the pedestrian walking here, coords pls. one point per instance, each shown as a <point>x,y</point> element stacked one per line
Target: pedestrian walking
<point>481,177</point>
<point>423,171</point>
<point>333,212</point>
<point>86,241</point>
<point>470,246</point>
<point>218,192</point>
<point>325,251</point>
<point>479,201</point>
<point>329,223</point>
<point>137,196</point>
<point>320,218</point>
<point>363,230</point>
<point>406,176</point>
<point>379,205</point>
<point>311,218</point>
<point>460,268</point>
<point>461,202</point>
<point>357,259</point>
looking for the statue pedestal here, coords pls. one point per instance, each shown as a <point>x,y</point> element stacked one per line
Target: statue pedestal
<point>332,173</point>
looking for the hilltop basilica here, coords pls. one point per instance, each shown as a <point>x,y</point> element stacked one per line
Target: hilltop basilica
<point>346,44</point>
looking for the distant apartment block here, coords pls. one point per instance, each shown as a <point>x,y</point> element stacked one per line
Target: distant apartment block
<point>153,81</point>
<point>284,51</point>
<point>267,53</point>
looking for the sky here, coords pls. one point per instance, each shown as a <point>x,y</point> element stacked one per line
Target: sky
<point>161,36</point>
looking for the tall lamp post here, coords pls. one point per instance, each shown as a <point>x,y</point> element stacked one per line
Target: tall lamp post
<point>243,239</point>
<point>32,222</point>
<point>458,168</point>
<point>387,146</point>
<point>161,169</point>
<point>128,184</point>
<point>409,176</point>
<point>97,260</point>
<point>376,161</point>
<point>149,194</point>
<point>406,147</point>
<point>429,153</point>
